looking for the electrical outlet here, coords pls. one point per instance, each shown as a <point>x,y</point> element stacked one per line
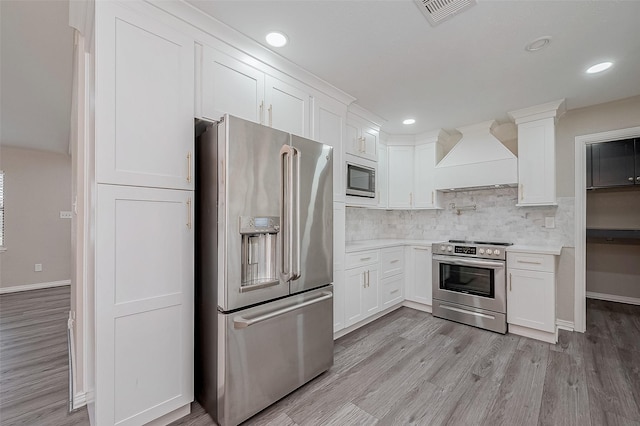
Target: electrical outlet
<point>549,222</point>
<point>65,214</point>
<point>38,267</point>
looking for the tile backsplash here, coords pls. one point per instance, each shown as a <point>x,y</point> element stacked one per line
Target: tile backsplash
<point>496,218</point>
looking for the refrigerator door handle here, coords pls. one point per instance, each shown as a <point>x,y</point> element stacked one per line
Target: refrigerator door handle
<point>241,322</point>
<point>286,211</point>
<point>296,268</point>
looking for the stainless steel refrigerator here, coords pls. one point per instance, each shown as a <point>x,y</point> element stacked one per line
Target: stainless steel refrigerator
<point>264,265</point>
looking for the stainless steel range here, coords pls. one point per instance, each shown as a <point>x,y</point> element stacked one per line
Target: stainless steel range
<point>469,283</point>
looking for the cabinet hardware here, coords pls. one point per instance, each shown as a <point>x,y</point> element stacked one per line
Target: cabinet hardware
<point>189,167</point>
<point>509,281</point>
<point>368,282</point>
<point>270,115</point>
<point>362,145</point>
<point>261,117</point>
<point>529,261</point>
<point>638,178</point>
<point>395,261</point>
<point>433,195</point>
<point>394,291</point>
<point>631,179</point>
<point>411,198</point>
<point>188,213</point>
<point>365,258</point>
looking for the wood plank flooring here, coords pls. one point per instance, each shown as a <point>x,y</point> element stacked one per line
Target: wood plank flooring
<point>409,368</point>
<point>33,359</point>
<point>405,368</point>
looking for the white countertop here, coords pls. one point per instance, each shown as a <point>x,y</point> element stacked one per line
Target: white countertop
<point>523,248</point>
<point>352,246</point>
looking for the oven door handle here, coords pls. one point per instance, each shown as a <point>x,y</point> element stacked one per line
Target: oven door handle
<point>462,262</point>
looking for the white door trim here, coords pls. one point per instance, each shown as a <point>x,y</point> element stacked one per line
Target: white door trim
<point>580,304</point>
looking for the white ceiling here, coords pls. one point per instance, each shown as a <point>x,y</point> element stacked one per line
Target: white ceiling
<point>36,56</point>
<point>466,70</point>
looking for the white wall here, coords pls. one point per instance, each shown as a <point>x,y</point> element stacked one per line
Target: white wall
<point>37,188</point>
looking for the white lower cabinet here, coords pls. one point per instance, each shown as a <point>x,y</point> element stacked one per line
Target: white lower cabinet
<point>531,295</point>
<point>374,282</point>
<point>144,303</point>
<point>419,275</point>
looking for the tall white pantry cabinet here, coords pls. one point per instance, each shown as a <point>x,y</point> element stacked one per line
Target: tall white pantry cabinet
<point>144,136</point>
<point>153,74</point>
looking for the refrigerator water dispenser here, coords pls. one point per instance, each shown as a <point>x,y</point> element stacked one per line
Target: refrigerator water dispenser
<point>259,251</point>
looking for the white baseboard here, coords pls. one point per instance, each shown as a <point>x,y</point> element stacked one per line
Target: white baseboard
<point>36,286</point>
<point>565,325</point>
<point>171,417</point>
<point>613,298</point>
<point>417,306</point>
<point>534,334</point>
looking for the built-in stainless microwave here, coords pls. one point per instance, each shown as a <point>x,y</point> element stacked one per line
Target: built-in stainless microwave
<point>361,180</point>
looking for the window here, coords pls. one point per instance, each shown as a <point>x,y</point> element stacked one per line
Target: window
<point>1,208</point>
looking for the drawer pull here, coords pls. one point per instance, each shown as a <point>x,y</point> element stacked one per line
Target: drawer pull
<point>365,258</point>
<point>529,262</point>
<point>394,291</point>
<point>395,261</point>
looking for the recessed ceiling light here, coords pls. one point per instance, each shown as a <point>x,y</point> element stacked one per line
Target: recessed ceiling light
<point>538,44</point>
<point>599,67</point>
<point>409,121</point>
<point>276,39</point>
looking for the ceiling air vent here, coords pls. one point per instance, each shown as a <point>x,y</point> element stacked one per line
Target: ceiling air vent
<point>437,11</point>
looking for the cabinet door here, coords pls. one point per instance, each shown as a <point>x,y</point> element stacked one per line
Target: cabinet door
<point>422,275</point>
<point>353,143</point>
<point>355,284</point>
<point>536,162</point>
<point>230,87</point>
<point>424,183</point>
<point>328,127</point>
<point>144,303</point>
<point>370,143</point>
<point>531,299</point>
<point>144,100</point>
<point>613,163</point>
<point>589,165</point>
<point>400,176</point>
<point>339,300</point>
<point>382,177</point>
<point>637,156</point>
<point>370,296</point>
<point>339,294</point>
<point>287,107</point>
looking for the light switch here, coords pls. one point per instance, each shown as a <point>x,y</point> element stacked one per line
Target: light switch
<point>65,214</point>
<point>38,267</point>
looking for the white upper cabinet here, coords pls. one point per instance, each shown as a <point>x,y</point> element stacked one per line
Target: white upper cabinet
<point>362,136</point>
<point>537,153</point>
<point>400,171</point>
<point>329,118</point>
<point>425,194</point>
<point>287,107</point>
<point>382,177</point>
<point>229,86</point>
<point>144,100</point>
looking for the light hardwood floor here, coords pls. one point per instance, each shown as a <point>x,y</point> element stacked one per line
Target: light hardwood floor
<point>33,359</point>
<point>405,368</point>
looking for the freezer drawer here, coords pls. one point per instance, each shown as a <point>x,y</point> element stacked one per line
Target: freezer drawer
<point>270,350</point>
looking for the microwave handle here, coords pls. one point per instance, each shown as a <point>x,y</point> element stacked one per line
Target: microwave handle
<point>462,262</point>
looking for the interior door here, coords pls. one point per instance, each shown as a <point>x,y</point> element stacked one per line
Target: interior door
<point>315,220</point>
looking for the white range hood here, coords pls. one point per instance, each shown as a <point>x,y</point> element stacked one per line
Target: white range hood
<point>479,160</point>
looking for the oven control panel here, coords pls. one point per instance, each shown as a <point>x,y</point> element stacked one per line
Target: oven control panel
<point>470,250</point>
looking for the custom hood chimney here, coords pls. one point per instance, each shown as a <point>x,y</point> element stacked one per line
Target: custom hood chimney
<point>478,161</point>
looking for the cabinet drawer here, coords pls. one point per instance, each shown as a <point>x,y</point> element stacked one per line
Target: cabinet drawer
<point>391,262</point>
<point>391,290</point>
<point>531,261</point>
<point>361,258</point>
